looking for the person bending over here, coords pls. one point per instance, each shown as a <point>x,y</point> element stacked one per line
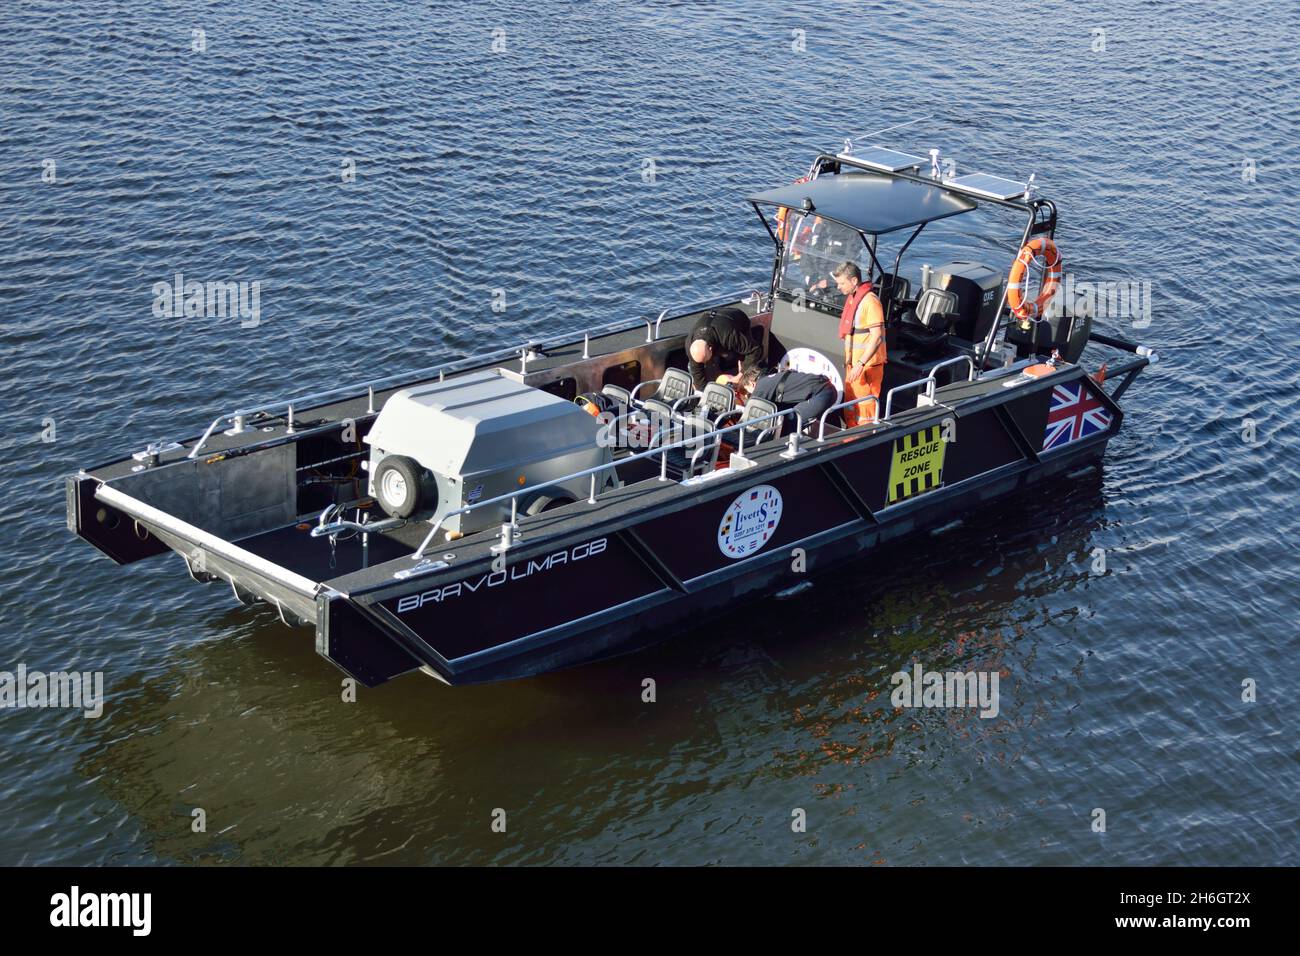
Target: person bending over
<point>807,393</point>
<point>722,342</point>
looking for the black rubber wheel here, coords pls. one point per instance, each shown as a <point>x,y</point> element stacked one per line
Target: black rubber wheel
<point>545,503</point>
<point>397,485</point>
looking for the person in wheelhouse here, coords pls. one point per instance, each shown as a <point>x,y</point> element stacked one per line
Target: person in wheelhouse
<point>862,327</point>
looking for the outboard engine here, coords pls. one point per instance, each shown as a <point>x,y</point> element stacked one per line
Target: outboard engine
<point>956,300</point>
<point>1065,328</point>
<point>978,289</point>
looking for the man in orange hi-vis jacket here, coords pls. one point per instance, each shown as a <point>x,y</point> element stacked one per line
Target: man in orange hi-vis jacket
<point>862,327</point>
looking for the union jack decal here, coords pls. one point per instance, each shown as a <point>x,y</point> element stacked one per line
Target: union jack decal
<point>1075,413</point>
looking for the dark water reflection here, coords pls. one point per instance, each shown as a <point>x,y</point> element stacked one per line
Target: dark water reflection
<point>247,725</point>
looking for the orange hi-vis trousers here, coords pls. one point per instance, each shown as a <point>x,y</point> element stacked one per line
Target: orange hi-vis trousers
<point>866,386</point>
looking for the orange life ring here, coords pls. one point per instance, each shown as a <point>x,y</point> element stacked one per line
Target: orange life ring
<point>1045,248</point>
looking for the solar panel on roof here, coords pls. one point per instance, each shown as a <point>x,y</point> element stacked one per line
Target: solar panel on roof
<point>890,160</point>
<point>995,187</point>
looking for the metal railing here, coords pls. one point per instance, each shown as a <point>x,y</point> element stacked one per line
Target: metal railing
<point>875,415</point>
<point>930,382</point>
<point>985,348</point>
<point>754,296</point>
<point>315,399</point>
<point>956,361</point>
<point>714,435</point>
<point>662,452</point>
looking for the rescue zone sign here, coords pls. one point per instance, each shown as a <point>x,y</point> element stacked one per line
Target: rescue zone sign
<point>917,464</point>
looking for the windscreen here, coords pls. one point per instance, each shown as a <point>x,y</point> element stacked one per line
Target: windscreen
<point>813,247</point>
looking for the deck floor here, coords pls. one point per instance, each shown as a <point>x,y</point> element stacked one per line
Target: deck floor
<point>295,549</point>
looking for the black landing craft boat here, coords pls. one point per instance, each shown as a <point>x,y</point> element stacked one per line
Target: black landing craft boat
<point>473,521</point>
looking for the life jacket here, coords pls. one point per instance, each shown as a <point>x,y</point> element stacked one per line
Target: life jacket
<point>857,336</point>
<point>782,213</point>
<point>851,308</point>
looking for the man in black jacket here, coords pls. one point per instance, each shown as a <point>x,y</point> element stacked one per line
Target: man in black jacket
<point>807,393</point>
<point>722,340</point>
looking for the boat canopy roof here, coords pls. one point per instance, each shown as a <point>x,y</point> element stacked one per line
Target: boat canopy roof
<point>869,203</point>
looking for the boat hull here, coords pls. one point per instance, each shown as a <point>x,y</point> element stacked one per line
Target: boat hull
<point>594,580</point>
<point>621,585</point>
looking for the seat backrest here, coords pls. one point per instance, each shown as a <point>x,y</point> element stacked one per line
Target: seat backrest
<point>675,385</point>
<point>704,445</point>
<point>757,408</point>
<point>618,395</point>
<point>891,286</point>
<point>658,416</point>
<point>717,399</point>
<point>934,303</point>
<point>697,447</point>
<point>658,411</point>
<point>696,429</point>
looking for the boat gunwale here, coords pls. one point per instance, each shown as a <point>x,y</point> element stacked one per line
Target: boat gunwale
<point>772,466</point>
